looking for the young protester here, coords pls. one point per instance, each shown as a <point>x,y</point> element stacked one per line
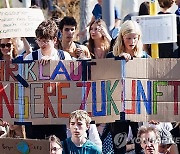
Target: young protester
<point>92,135</point>
<point>129,43</point>
<point>79,122</point>
<point>55,145</point>
<point>67,27</point>
<point>46,35</point>
<point>99,41</point>
<point>144,9</point>
<point>149,139</point>
<point>14,48</point>
<point>8,49</point>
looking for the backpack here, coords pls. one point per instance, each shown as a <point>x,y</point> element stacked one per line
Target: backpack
<point>60,54</point>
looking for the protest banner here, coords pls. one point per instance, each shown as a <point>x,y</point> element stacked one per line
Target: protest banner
<point>51,92</point>
<point>19,22</point>
<point>29,146</point>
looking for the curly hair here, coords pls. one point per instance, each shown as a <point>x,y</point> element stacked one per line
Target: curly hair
<point>47,29</point>
<point>146,129</point>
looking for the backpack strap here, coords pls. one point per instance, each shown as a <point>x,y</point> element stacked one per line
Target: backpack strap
<point>77,45</point>
<point>61,54</point>
<point>35,55</point>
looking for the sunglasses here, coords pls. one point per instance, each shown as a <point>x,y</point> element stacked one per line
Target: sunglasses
<point>5,45</point>
<point>39,41</point>
<point>55,149</point>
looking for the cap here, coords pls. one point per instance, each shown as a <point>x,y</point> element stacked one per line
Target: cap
<point>166,137</point>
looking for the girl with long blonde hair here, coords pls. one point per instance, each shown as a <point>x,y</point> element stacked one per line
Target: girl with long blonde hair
<point>129,41</point>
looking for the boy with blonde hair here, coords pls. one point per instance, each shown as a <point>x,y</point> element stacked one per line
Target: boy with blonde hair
<point>79,122</point>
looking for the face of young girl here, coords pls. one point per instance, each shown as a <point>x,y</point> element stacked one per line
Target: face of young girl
<point>130,41</point>
<point>95,31</point>
<point>6,46</point>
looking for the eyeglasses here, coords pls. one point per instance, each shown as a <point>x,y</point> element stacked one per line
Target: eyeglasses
<point>39,41</point>
<point>8,45</point>
<point>55,149</point>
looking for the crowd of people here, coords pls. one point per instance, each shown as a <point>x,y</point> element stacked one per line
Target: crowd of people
<point>57,42</point>
<point>84,137</point>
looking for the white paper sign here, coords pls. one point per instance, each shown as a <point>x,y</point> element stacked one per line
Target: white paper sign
<point>19,22</point>
<point>157,29</point>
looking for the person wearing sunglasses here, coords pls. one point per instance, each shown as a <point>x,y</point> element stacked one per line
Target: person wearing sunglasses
<point>14,48</point>
<point>8,48</point>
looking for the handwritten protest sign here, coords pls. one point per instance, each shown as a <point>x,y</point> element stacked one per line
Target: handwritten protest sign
<point>158,29</point>
<point>150,90</point>
<point>30,146</point>
<point>19,22</point>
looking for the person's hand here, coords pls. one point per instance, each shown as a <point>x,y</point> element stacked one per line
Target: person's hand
<point>126,56</point>
<point>4,123</point>
<point>154,122</point>
<point>44,60</point>
<point>78,52</point>
<point>104,32</point>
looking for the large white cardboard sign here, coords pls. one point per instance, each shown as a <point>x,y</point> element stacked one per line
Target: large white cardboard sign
<point>158,29</point>
<point>19,22</point>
